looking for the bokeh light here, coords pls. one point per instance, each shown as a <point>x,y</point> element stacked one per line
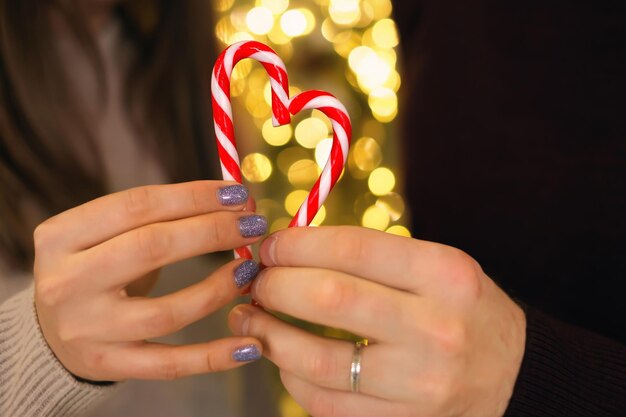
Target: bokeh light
<point>297,22</point>
<point>399,231</point>
<point>310,132</point>
<point>256,167</point>
<point>276,6</point>
<point>381,181</point>
<point>294,200</point>
<point>276,136</point>
<point>260,20</point>
<point>375,218</point>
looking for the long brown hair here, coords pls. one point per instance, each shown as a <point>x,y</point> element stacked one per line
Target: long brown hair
<point>168,80</point>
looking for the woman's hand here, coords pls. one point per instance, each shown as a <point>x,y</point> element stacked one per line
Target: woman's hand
<point>444,339</point>
<point>87,257</point>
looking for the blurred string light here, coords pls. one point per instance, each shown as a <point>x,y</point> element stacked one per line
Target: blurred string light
<point>355,42</point>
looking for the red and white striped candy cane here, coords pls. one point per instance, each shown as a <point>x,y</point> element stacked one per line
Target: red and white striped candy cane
<point>342,132</point>
<point>222,109</point>
<point>282,108</point>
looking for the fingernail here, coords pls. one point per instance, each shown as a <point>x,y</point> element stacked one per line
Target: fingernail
<point>268,250</point>
<point>252,226</point>
<point>245,273</point>
<point>232,195</point>
<point>247,353</point>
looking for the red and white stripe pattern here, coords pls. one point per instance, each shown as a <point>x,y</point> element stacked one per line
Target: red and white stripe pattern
<point>282,109</point>
<point>342,133</point>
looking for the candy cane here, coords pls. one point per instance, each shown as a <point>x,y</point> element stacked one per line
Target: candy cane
<point>342,132</point>
<point>222,109</point>
<point>282,109</point>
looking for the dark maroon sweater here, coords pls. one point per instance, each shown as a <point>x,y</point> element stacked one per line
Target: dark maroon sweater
<point>515,138</point>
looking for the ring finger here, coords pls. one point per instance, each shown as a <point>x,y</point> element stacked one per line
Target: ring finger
<point>318,360</point>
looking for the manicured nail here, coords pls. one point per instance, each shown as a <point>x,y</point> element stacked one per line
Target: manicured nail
<point>245,273</point>
<point>232,195</point>
<point>253,226</point>
<point>247,353</point>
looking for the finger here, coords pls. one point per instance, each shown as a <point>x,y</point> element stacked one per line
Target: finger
<point>160,361</point>
<point>120,260</point>
<point>147,318</point>
<point>327,362</point>
<point>320,401</point>
<point>338,300</point>
<point>101,219</point>
<point>403,263</point>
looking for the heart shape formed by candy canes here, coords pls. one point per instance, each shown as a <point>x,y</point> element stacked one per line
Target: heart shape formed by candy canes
<point>282,109</point>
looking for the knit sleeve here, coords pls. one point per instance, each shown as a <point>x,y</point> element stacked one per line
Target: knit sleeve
<point>33,383</point>
<point>568,371</point>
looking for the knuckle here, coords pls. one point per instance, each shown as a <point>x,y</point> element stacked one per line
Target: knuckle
<point>451,338</point>
<point>333,295</point>
<point>160,320</point>
<point>212,364</point>
<point>44,235</point>
<point>138,201</point>
<point>213,232</point>
<point>154,243</point>
<point>319,366</point>
<point>463,273</point>
<point>169,369</point>
<point>50,292</point>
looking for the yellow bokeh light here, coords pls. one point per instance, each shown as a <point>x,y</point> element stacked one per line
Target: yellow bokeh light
<point>239,36</point>
<point>322,152</point>
<point>276,6</point>
<point>384,33</point>
<point>289,407</point>
<point>375,218</point>
<point>381,181</point>
<point>384,104</point>
<point>224,29</point>
<point>297,22</point>
<point>267,92</point>
<point>294,200</point>
<point>310,132</point>
<point>372,71</point>
<point>223,5</point>
<point>393,204</point>
<point>238,18</point>
<point>344,42</point>
<point>399,231</point>
<point>381,8</point>
<point>303,172</point>
<point>260,20</point>
<point>257,106</point>
<point>256,167</point>
<point>287,157</point>
<point>367,154</point>
<point>276,136</point>
<point>319,218</point>
<point>277,36</point>
<point>329,30</point>
<point>345,12</point>
<point>319,115</point>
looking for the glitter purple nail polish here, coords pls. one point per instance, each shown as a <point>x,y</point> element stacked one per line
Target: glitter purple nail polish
<point>232,195</point>
<point>253,226</point>
<point>245,273</point>
<point>247,353</point>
